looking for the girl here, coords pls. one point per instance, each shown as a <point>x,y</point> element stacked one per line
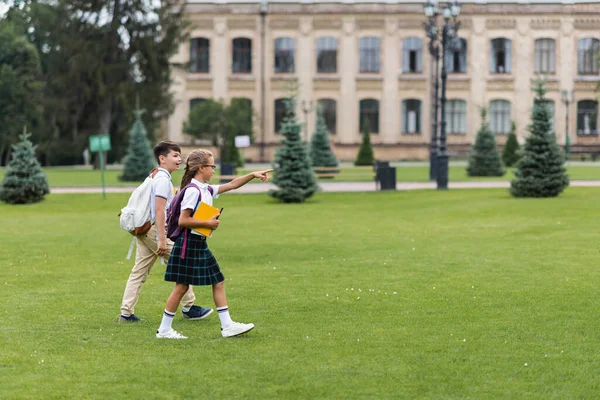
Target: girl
<point>199,267</point>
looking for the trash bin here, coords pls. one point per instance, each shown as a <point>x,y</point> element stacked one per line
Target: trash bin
<point>387,178</point>
<point>376,166</point>
<point>227,169</point>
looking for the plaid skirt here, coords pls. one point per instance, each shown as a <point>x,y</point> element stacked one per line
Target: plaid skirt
<point>198,268</point>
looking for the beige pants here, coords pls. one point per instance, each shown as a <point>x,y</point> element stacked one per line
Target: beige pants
<point>145,257</point>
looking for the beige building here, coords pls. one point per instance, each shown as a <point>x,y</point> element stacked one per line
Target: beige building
<point>370,61</point>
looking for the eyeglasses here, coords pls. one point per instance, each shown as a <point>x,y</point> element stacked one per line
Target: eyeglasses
<point>212,166</point>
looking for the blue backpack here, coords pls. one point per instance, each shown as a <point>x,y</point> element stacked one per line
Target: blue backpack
<point>173,213</point>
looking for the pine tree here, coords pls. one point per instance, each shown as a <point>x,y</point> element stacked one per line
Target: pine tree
<point>320,151</point>
<point>24,182</point>
<point>365,153</point>
<point>139,159</point>
<point>484,159</point>
<point>510,152</point>
<point>540,171</point>
<point>293,171</point>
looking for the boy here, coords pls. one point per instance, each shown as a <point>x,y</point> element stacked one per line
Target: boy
<point>155,243</point>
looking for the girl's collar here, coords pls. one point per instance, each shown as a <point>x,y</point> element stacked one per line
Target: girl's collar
<point>200,184</point>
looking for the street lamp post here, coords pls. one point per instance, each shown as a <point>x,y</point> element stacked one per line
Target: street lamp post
<point>264,8</point>
<point>431,12</point>
<point>307,107</point>
<point>567,98</point>
<point>450,13</point>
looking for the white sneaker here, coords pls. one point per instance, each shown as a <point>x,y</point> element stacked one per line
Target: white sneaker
<point>236,328</point>
<point>172,334</point>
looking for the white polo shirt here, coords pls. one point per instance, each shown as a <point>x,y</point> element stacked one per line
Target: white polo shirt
<point>161,187</point>
<point>190,197</point>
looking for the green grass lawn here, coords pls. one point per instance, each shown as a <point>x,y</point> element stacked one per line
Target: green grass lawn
<point>466,294</point>
<point>70,177</point>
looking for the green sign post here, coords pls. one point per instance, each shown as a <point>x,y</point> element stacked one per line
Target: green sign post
<point>99,144</point>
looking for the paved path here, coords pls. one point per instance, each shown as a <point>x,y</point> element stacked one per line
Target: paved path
<point>331,187</point>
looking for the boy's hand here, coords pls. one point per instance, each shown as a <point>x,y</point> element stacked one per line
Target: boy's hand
<point>262,175</point>
<point>213,223</point>
<point>162,247</point>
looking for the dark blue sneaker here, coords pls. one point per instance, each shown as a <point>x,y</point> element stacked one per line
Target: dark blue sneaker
<point>131,318</point>
<point>197,312</point>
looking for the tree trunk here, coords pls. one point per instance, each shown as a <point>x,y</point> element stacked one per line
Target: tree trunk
<point>2,150</point>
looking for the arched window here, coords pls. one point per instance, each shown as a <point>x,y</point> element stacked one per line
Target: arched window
<point>199,55</point>
<point>587,59</point>
<point>457,117</point>
<point>369,115</point>
<point>329,109</point>
<point>369,54</point>
<point>501,56</point>
<point>242,56</point>
<point>284,55</point>
<point>412,55</point>
<point>327,55</point>
<point>411,116</point>
<point>456,57</point>
<point>500,117</point>
<point>587,117</point>
<point>545,50</point>
<point>280,113</point>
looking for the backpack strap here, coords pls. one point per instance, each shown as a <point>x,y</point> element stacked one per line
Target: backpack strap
<point>187,231</point>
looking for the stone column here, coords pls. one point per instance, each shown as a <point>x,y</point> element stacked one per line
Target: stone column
<point>220,59</point>
<point>390,107</point>
<point>348,66</point>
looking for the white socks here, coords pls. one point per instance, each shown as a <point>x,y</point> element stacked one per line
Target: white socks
<point>167,320</point>
<point>186,309</point>
<point>224,316</point>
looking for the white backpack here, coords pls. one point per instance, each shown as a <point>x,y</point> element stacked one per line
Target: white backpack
<point>135,217</point>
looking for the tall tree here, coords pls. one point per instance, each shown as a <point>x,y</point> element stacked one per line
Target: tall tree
<point>20,86</point>
<point>320,149</point>
<point>540,171</point>
<point>139,159</point>
<point>365,152</point>
<point>484,159</point>
<point>24,181</point>
<point>221,123</point>
<point>293,171</point>
<point>510,152</point>
<point>95,57</point>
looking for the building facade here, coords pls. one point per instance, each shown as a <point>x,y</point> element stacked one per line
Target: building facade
<point>369,62</point>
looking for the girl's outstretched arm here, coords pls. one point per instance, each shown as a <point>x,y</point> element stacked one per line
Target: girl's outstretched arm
<point>242,180</point>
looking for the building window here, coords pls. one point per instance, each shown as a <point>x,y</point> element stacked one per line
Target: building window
<point>545,50</point>
<point>456,57</point>
<point>329,109</point>
<point>587,117</point>
<point>199,55</point>
<point>284,55</point>
<point>457,117</point>
<point>280,113</point>
<point>411,116</point>
<point>369,114</point>
<point>587,60</point>
<point>242,56</point>
<point>369,54</point>
<point>195,101</point>
<point>412,55</point>
<point>500,57</point>
<point>500,117</point>
<point>326,55</point>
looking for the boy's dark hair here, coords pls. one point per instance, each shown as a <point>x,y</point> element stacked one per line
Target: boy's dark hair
<point>164,147</point>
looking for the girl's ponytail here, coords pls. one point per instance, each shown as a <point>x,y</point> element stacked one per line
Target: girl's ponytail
<point>196,159</point>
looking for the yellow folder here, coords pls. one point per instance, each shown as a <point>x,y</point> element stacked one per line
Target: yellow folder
<point>204,212</point>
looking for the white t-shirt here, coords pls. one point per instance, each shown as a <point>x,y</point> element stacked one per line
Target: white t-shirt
<point>190,197</point>
<point>161,187</point>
